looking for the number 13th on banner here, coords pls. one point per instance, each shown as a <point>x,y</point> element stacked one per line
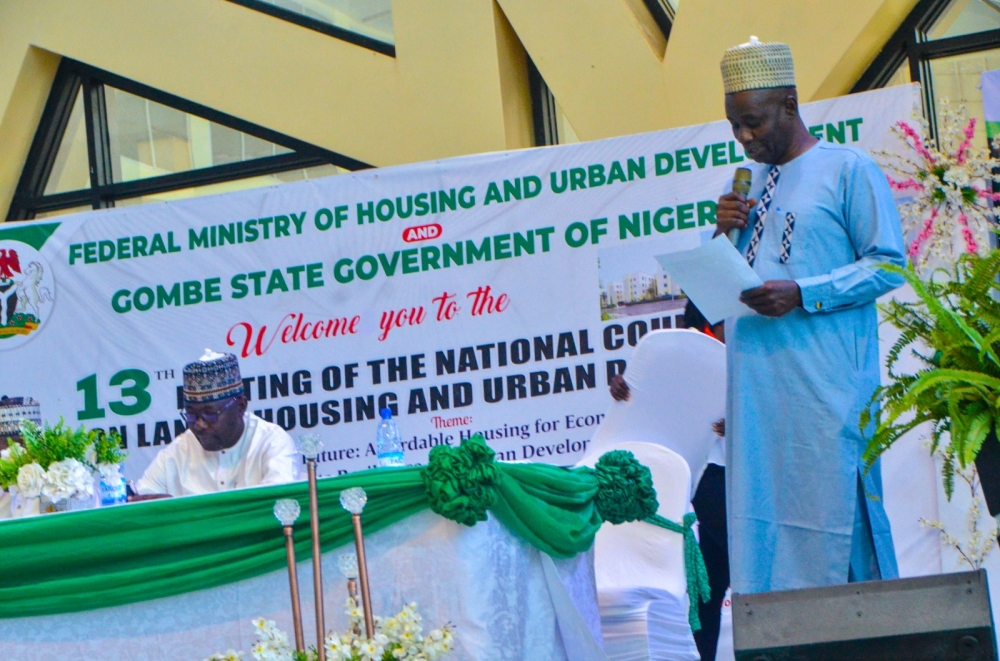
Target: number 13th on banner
<point>133,384</point>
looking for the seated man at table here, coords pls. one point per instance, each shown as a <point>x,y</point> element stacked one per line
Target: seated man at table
<point>225,447</point>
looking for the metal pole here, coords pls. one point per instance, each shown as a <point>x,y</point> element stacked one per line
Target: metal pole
<point>317,560</point>
<point>293,586</point>
<point>366,597</point>
<point>352,592</point>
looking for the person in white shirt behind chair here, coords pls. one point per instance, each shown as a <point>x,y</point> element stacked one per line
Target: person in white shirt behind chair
<point>224,447</point>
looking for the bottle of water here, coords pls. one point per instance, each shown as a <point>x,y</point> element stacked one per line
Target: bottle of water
<point>112,487</point>
<point>387,441</point>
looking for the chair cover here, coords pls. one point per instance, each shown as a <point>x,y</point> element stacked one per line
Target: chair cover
<point>639,568</point>
<point>677,383</point>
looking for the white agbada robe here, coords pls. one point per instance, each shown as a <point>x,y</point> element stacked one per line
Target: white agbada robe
<point>265,454</point>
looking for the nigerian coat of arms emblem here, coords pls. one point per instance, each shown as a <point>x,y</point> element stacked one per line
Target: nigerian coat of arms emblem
<point>27,293</point>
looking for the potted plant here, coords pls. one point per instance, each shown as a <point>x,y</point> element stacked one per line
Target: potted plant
<point>953,329</point>
<point>52,468</point>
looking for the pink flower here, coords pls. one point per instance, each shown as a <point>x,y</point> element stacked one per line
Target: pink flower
<point>918,142</point>
<point>906,184</point>
<point>989,195</point>
<point>963,149</point>
<point>970,241</point>
<point>925,234</point>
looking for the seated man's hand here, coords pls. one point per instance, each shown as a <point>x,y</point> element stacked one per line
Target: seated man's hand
<point>619,389</point>
<point>138,498</point>
<point>774,298</point>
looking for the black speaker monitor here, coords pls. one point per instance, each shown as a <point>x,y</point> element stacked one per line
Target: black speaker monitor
<point>939,618</point>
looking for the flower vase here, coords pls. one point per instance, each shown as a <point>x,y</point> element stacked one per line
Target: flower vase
<point>79,501</point>
<point>988,468</point>
<point>23,507</point>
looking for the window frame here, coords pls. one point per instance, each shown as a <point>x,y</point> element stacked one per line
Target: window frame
<point>319,26</point>
<point>72,77</point>
<point>910,44</point>
<point>543,108</point>
<point>663,13</point>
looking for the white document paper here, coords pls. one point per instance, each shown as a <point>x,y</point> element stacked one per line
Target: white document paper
<point>712,275</point>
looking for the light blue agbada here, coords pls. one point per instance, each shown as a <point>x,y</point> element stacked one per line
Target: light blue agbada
<point>797,384</point>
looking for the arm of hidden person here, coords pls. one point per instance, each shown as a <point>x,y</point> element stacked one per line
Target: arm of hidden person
<point>282,460</point>
<point>619,388</point>
<point>873,226</point>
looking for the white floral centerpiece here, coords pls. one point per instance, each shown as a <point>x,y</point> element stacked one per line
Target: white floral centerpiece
<point>52,468</point>
<point>950,182</point>
<point>398,638</point>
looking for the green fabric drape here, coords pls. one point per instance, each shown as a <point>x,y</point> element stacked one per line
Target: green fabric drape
<point>76,561</point>
<point>694,565</point>
<point>533,500</point>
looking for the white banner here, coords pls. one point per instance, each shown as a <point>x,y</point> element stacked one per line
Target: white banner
<point>494,293</point>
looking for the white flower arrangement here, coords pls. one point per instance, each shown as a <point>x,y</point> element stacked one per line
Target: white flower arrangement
<point>228,655</point>
<point>67,479</point>
<point>950,181</point>
<point>398,638</point>
<point>57,463</point>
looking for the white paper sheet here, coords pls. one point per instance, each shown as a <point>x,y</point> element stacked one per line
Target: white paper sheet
<point>712,275</point>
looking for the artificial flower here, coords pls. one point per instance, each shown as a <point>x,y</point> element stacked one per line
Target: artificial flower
<point>67,479</point>
<point>31,480</point>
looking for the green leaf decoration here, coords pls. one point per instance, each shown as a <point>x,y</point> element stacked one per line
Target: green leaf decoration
<point>953,329</point>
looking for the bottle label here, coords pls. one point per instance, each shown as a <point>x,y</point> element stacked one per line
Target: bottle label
<point>391,459</point>
<point>113,493</point>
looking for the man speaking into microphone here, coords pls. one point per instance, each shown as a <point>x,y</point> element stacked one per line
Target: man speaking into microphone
<point>818,222</point>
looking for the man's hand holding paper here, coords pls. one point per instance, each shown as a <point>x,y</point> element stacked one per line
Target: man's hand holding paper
<point>775,298</point>
<point>714,275</point>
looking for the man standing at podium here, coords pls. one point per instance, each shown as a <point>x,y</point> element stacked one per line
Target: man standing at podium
<point>819,222</point>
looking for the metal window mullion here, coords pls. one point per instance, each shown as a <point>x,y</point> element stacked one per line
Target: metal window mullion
<point>550,114</point>
<point>98,144</point>
<point>45,146</point>
<point>927,84</point>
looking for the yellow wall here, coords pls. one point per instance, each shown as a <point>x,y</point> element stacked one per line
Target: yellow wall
<point>832,43</point>
<point>458,84</point>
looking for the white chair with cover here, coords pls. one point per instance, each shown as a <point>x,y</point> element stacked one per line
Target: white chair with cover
<point>639,568</point>
<point>677,384</point>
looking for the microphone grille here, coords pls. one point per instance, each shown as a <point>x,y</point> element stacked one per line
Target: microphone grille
<point>741,181</point>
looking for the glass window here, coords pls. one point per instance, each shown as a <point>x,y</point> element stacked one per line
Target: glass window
<point>957,79</point>
<point>71,169</point>
<point>235,185</point>
<point>566,134</point>
<point>158,150</point>
<point>901,77</point>
<point>966,17</point>
<point>62,212</point>
<point>369,18</point>
<point>149,139</point>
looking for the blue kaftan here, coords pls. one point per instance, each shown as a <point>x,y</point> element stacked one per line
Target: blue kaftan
<point>797,384</point>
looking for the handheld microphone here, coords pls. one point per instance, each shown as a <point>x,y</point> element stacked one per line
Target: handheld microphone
<point>741,185</point>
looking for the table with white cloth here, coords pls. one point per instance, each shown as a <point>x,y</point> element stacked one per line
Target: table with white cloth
<point>506,599</point>
<point>182,578</point>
